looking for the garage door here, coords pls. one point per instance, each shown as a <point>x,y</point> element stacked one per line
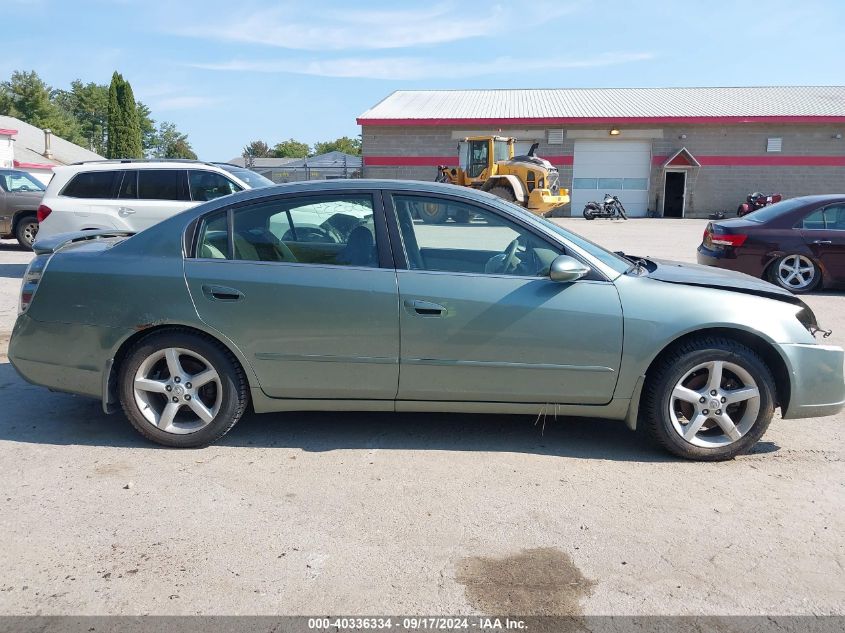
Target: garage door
<point>620,168</point>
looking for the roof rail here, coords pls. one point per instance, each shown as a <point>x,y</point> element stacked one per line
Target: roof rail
<point>118,161</point>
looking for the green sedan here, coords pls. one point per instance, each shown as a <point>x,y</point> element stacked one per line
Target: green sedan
<point>333,296</point>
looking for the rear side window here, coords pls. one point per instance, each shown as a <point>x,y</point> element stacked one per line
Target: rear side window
<point>162,184</point>
<point>93,184</point>
<point>213,240</point>
<point>208,185</point>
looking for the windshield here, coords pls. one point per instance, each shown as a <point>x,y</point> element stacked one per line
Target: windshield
<point>19,182</point>
<point>250,177</point>
<point>775,210</point>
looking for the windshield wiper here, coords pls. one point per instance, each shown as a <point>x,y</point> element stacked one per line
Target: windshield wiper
<point>638,264</point>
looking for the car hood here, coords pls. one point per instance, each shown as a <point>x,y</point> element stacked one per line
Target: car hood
<point>709,277</point>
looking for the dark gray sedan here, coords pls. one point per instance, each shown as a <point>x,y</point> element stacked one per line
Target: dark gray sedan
<point>331,296</point>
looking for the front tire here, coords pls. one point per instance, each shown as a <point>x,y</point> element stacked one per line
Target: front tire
<point>25,231</point>
<point>181,389</point>
<point>797,273</point>
<point>504,193</point>
<point>709,399</point>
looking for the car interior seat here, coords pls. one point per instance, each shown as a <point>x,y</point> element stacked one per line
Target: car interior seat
<point>360,248</point>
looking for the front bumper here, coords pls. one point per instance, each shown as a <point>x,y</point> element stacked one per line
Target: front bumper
<point>817,380</point>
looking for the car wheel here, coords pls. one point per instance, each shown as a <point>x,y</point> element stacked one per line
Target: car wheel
<point>26,230</point>
<point>797,273</point>
<point>181,389</point>
<point>709,399</point>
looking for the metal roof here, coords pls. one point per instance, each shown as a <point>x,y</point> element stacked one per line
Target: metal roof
<point>568,105</point>
<point>29,145</point>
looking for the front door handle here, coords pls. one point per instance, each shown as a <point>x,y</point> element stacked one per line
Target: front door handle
<point>425,308</point>
<point>222,293</point>
<point>124,211</point>
<point>822,242</point>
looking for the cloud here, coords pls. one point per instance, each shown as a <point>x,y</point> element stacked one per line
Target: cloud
<point>318,29</point>
<point>412,68</point>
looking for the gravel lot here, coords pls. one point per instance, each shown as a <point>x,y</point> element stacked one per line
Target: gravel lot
<point>427,514</point>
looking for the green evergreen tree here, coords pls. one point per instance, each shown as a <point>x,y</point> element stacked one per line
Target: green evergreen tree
<point>124,140</point>
<point>27,97</point>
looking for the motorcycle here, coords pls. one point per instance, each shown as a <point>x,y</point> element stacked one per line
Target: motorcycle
<point>610,208</point>
<point>756,201</point>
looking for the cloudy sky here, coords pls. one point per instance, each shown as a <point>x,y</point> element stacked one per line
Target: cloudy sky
<point>230,72</point>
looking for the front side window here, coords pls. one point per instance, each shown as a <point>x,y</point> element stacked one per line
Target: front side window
<point>19,182</point>
<point>162,184</point>
<point>208,185</point>
<point>333,230</point>
<point>93,184</point>
<point>487,244</point>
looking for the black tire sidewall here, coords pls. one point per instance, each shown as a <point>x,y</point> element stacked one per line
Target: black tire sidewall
<point>660,423</point>
<point>19,227</point>
<point>231,379</point>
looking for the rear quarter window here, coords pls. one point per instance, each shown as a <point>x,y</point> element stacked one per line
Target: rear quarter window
<point>92,184</point>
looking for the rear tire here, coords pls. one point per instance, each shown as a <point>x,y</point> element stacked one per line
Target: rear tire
<point>796,273</point>
<point>504,193</point>
<point>590,211</point>
<point>26,230</point>
<point>161,403</point>
<point>729,422</point>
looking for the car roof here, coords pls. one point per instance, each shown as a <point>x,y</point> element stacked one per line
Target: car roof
<point>365,184</point>
<point>100,165</point>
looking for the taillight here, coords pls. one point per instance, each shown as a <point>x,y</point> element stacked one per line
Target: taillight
<point>31,279</point>
<point>728,240</point>
<point>723,239</point>
<point>43,212</point>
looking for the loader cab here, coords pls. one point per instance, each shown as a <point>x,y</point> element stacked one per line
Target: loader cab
<point>480,153</point>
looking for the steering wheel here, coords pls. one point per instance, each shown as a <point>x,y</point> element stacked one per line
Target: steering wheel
<point>510,255</point>
<point>309,234</point>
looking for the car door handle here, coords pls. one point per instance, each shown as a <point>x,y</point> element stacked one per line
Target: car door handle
<point>822,242</point>
<point>425,308</point>
<point>222,293</point>
<point>124,211</point>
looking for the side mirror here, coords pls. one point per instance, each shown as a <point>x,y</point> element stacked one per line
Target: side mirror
<point>565,269</point>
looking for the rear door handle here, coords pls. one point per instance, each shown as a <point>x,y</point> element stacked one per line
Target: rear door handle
<point>222,293</point>
<point>820,242</point>
<point>124,211</point>
<point>425,308</point>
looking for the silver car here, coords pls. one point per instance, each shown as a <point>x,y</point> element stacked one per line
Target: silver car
<point>331,295</point>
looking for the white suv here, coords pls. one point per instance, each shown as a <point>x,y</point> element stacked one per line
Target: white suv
<point>131,195</point>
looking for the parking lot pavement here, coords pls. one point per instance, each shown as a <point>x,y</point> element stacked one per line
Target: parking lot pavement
<point>427,514</point>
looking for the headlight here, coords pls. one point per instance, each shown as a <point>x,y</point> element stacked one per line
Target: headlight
<point>31,279</point>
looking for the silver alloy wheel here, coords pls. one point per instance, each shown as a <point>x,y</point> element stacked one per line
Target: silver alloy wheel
<point>796,272</point>
<point>30,230</point>
<point>714,404</point>
<point>177,391</point>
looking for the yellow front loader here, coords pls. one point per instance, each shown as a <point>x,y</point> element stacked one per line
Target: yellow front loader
<point>488,163</point>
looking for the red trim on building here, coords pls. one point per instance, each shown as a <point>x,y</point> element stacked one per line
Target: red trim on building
<point>612,121</point>
<point>434,161</point>
<point>408,161</point>
<point>19,164</point>
<point>764,161</point>
<point>8,132</point>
